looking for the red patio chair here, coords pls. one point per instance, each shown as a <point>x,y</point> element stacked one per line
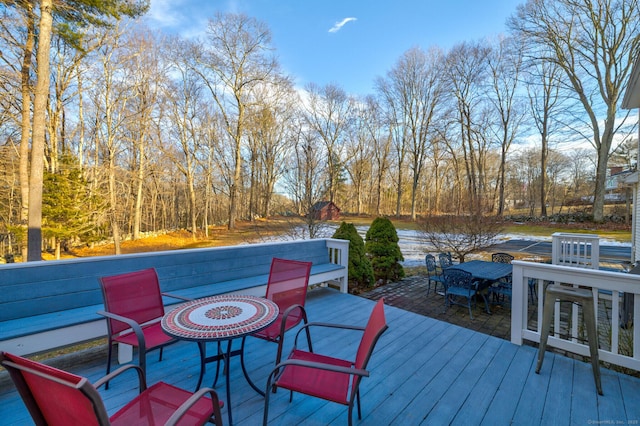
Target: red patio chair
<point>133,308</point>
<point>55,397</point>
<point>326,377</point>
<point>287,287</point>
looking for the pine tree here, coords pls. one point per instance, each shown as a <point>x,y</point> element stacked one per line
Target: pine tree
<point>66,202</point>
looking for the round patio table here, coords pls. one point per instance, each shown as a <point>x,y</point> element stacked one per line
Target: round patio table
<point>218,319</point>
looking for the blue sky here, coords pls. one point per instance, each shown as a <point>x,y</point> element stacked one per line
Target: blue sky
<point>313,47</point>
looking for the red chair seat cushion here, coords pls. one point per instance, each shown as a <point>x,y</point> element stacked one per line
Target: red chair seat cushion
<point>158,403</point>
<point>153,337</point>
<point>325,384</point>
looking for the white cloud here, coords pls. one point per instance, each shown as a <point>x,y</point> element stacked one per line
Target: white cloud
<point>338,25</point>
<point>165,12</point>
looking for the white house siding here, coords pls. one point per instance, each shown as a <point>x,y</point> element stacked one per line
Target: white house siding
<point>631,100</point>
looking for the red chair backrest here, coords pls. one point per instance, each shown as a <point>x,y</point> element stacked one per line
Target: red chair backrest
<point>53,396</point>
<point>134,295</point>
<point>288,282</point>
<point>376,325</point>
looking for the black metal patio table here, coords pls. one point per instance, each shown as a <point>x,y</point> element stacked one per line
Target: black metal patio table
<point>485,274</point>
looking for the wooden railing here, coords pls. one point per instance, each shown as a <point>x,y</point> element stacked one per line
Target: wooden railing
<point>619,340</point>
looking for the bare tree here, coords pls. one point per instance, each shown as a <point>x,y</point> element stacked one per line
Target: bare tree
<point>466,74</point>
<point>306,179</point>
<point>186,103</point>
<point>460,235</point>
<point>543,89</point>
<point>237,59</point>
<point>112,100</point>
<point>593,43</point>
<point>359,151</point>
<point>393,117</point>
<point>148,72</point>
<point>380,141</point>
<point>413,90</point>
<point>328,112</point>
<point>269,125</point>
<point>505,66</point>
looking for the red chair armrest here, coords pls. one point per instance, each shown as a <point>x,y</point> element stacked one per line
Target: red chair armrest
<point>327,325</point>
<point>108,377</point>
<point>131,323</point>
<point>285,315</point>
<point>322,366</point>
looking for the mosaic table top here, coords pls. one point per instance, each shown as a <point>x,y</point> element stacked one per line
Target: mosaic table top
<point>220,317</point>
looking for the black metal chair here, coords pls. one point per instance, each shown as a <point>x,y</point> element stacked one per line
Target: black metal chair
<point>445,260</point>
<point>460,284</point>
<point>432,274</point>
<point>502,290</point>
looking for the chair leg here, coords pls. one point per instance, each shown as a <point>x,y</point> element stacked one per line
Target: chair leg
<point>350,413</point>
<point>203,354</point>
<point>547,314</point>
<point>142,360</point>
<point>109,352</point>
<point>592,334</point>
<point>265,412</point>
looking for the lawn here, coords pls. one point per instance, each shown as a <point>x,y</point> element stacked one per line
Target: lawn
<point>256,231</point>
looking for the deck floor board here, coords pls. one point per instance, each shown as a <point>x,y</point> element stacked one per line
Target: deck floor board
<point>423,371</point>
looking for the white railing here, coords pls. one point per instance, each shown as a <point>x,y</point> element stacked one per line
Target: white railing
<point>579,250</point>
<point>608,289</point>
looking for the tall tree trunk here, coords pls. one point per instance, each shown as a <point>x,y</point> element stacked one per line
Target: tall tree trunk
<point>138,203</point>
<point>192,203</point>
<point>39,126</point>
<point>543,177</point>
<point>26,120</point>
<point>501,177</point>
<point>237,174</point>
<point>113,202</point>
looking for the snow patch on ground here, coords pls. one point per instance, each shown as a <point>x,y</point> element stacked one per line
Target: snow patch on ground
<point>414,248</point>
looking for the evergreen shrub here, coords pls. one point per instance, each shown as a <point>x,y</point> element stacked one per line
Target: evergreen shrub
<point>381,246</point>
<point>360,270</point>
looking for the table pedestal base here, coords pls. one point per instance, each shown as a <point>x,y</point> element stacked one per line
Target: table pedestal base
<point>225,356</point>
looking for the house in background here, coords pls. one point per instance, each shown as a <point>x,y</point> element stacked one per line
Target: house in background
<point>325,210</point>
<point>632,100</point>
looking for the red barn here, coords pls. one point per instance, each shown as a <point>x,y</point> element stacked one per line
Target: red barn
<point>325,210</point>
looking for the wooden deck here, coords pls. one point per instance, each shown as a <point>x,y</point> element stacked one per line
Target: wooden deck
<point>423,371</point>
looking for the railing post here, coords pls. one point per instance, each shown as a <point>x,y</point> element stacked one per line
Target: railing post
<point>519,304</point>
<point>339,254</point>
